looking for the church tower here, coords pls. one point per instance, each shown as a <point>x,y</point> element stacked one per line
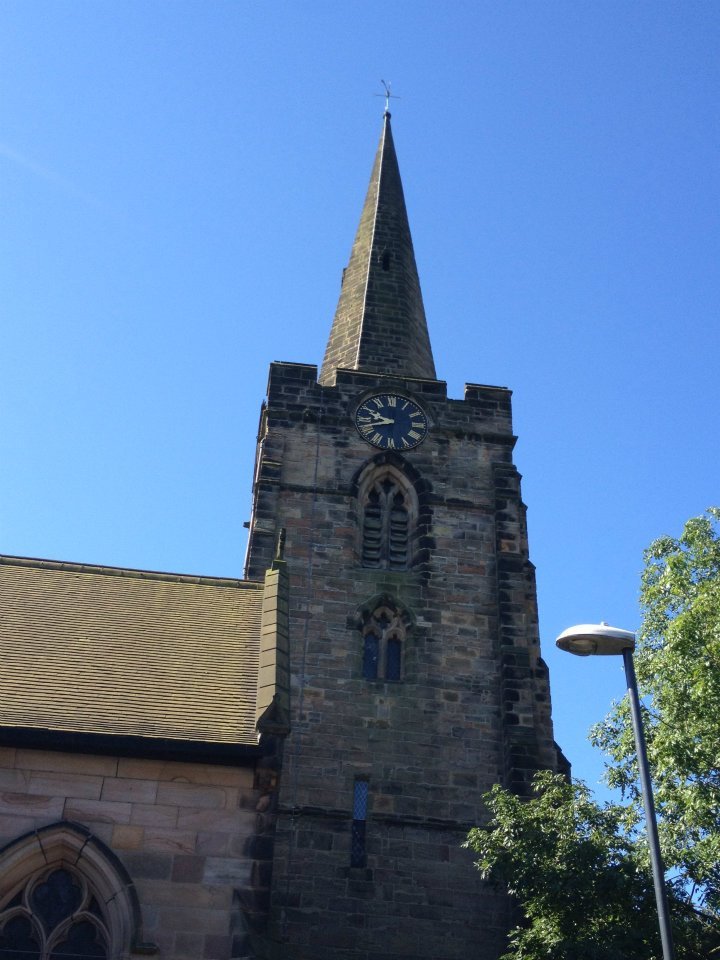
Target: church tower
<point>416,675</point>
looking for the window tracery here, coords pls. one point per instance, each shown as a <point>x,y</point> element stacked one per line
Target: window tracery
<point>384,633</point>
<point>64,894</point>
<point>55,915</point>
<point>388,514</point>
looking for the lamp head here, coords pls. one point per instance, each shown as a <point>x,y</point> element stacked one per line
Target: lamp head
<point>595,639</point>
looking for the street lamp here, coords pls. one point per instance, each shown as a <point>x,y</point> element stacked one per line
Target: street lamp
<point>599,639</point>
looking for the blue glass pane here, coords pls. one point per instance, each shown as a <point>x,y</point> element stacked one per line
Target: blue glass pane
<point>394,657</point>
<point>55,899</point>
<point>17,940</point>
<point>371,652</point>
<point>357,844</point>
<point>360,800</point>
<point>82,943</point>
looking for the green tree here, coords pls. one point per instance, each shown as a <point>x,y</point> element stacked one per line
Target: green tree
<point>580,869</point>
<point>678,668</point>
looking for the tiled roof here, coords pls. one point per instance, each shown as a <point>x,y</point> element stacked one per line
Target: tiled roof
<point>101,650</point>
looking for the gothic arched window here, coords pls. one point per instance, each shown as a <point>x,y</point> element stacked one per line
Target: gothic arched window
<point>65,896</point>
<point>384,633</point>
<point>388,510</point>
<point>55,915</point>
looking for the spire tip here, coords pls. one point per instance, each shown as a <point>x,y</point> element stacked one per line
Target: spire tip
<point>388,96</point>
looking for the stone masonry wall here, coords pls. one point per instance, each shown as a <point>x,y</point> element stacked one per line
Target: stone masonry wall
<point>194,838</point>
<point>472,708</point>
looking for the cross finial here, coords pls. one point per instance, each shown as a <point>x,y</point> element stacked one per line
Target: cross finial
<point>387,96</point>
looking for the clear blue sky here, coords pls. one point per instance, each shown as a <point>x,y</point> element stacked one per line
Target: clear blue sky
<point>180,183</point>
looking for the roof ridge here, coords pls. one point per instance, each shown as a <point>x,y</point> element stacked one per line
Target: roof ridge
<point>130,572</point>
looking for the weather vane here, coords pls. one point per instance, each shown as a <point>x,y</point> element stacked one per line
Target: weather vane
<point>387,96</point>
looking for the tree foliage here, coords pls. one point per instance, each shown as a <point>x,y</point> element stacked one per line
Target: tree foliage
<point>678,668</point>
<point>580,870</point>
<point>572,866</point>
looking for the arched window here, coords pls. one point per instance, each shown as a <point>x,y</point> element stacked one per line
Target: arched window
<point>65,896</point>
<point>371,654</point>
<point>388,510</point>
<point>54,915</point>
<point>384,635</point>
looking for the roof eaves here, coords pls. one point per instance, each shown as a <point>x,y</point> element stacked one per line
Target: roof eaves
<point>130,572</point>
<point>134,746</point>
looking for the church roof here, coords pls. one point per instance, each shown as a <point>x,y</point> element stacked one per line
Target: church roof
<point>380,324</point>
<point>107,651</point>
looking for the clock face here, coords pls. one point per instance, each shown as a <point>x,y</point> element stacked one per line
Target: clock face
<point>391,422</point>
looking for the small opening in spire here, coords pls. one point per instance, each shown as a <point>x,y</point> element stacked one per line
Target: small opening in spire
<point>386,260</point>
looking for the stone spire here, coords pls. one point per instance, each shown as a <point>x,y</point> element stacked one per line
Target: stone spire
<point>379,324</point>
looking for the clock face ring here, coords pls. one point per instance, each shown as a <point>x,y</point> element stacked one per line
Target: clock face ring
<point>390,421</point>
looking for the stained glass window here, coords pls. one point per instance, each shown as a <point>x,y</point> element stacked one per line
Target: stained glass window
<point>361,791</point>
<point>82,942</point>
<point>19,940</point>
<point>393,658</point>
<point>371,652</point>
<point>383,637</point>
<point>54,916</point>
<point>55,899</point>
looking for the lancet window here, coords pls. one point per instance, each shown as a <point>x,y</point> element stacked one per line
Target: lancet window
<point>388,516</point>
<point>358,856</point>
<point>383,642</point>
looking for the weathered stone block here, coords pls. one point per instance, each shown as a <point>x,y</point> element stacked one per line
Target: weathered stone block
<point>97,811</point>
<point>125,837</point>
<point>65,762</point>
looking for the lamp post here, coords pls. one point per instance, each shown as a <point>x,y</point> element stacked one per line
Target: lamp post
<point>591,639</point>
